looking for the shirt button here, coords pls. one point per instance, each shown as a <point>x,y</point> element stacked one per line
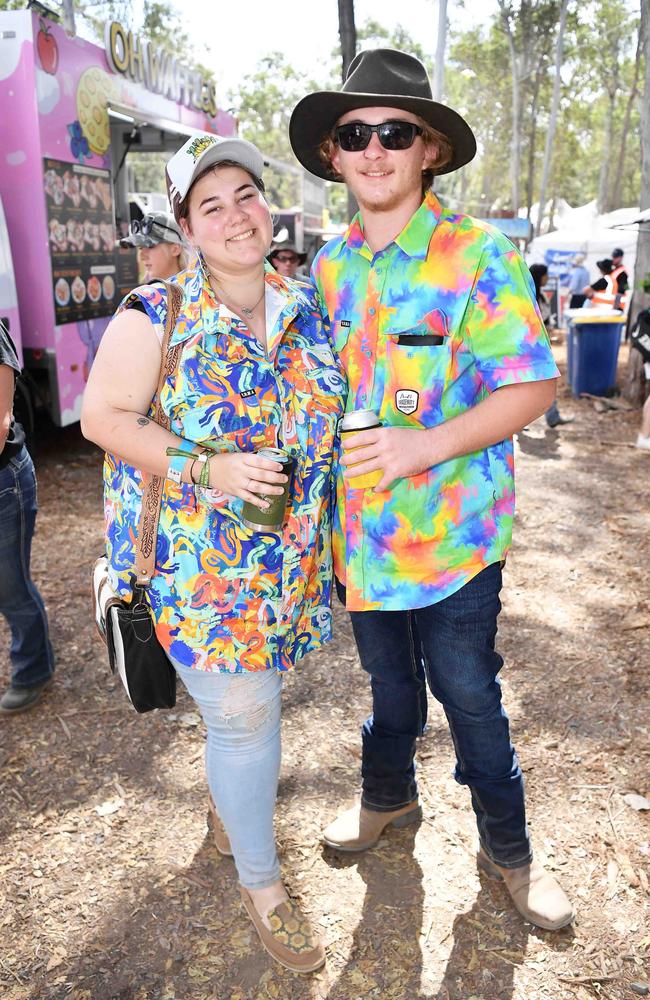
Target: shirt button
<point>354,517</point>
<point>371,311</point>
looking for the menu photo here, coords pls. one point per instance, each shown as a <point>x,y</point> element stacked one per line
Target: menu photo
<point>82,240</point>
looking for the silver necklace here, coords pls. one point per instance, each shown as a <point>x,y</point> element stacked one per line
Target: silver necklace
<point>243,309</point>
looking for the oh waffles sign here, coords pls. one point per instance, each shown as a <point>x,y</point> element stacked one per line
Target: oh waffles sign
<point>143,63</point>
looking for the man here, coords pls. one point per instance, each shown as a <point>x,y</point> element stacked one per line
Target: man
<point>434,317</point>
<point>619,274</point>
<point>160,244</point>
<point>30,653</point>
<point>605,291</point>
<point>286,259</point>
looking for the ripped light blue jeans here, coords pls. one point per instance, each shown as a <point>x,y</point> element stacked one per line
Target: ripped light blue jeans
<point>242,762</point>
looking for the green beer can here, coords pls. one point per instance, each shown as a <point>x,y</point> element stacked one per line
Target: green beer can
<point>272,518</point>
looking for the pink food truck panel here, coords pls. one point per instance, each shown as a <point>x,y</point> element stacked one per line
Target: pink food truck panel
<point>72,113</point>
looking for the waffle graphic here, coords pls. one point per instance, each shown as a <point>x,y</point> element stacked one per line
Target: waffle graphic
<point>94,90</point>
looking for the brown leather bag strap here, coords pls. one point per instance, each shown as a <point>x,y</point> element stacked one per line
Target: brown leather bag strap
<point>145,546</point>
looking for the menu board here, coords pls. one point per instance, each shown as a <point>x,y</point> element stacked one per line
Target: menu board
<point>82,240</point>
<point>126,272</point>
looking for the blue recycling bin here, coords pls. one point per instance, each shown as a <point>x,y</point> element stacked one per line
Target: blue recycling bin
<point>592,351</point>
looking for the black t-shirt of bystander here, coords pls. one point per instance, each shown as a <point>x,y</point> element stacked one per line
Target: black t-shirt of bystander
<point>16,436</point>
<point>621,284</point>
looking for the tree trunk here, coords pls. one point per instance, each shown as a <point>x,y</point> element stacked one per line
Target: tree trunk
<point>439,69</point>
<point>642,270</point>
<point>532,143</point>
<point>634,93</point>
<point>68,16</point>
<point>635,389</point>
<point>515,143</point>
<point>348,37</point>
<point>521,66</point>
<point>550,135</point>
<point>602,203</point>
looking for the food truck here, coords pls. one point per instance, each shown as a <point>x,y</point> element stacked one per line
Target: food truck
<point>72,112</point>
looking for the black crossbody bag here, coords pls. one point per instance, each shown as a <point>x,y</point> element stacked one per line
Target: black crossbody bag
<point>127,626</point>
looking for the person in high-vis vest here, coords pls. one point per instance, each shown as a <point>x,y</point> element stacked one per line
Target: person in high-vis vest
<point>619,273</point>
<point>605,292</point>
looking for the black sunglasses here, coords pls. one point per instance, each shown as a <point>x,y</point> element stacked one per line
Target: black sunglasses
<point>392,135</point>
<point>145,225</point>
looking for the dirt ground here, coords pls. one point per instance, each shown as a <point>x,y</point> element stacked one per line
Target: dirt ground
<point>111,886</point>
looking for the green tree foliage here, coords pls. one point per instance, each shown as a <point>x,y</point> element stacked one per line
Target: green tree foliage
<point>600,99</point>
<point>263,104</point>
<point>600,56</point>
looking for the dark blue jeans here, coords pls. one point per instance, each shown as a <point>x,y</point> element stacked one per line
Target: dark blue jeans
<point>32,659</point>
<point>455,640</point>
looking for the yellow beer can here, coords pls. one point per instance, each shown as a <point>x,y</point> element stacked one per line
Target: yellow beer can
<point>352,423</point>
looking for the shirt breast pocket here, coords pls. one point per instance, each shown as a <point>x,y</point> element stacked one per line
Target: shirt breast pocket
<point>417,368</point>
<point>322,370</point>
<point>227,394</point>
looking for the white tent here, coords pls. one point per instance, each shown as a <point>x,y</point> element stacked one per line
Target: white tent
<point>583,232</point>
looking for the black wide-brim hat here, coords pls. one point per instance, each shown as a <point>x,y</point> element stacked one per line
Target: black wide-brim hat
<point>377,78</point>
<point>291,247</point>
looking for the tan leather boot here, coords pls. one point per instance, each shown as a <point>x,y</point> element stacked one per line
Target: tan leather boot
<point>290,939</point>
<point>538,896</point>
<point>359,828</point>
<point>221,838</point>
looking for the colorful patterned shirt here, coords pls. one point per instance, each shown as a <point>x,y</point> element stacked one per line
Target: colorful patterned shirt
<point>226,598</point>
<point>425,329</point>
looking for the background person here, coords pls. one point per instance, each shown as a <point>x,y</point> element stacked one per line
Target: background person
<point>162,251</point>
<point>234,608</point>
<point>578,278</point>
<point>604,291</point>
<point>539,273</point>
<point>619,272</point>
<point>434,319</point>
<point>286,259</point>
<point>643,437</point>
<point>30,653</point>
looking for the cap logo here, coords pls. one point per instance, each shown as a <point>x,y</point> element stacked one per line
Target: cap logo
<point>200,144</point>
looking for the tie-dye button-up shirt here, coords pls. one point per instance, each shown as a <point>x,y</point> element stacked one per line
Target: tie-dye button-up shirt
<point>425,329</point>
<point>226,598</point>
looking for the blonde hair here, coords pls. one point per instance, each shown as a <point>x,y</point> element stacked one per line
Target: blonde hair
<point>186,257</point>
<point>430,137</point>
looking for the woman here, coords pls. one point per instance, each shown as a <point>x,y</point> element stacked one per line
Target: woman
<point>159,241</point>
<point>234,608</point>
<point>539,273</point>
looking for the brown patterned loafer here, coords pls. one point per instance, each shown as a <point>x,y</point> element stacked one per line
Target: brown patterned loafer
<point>290,939</point>
<point>536,893</point>
<point>221,838</point>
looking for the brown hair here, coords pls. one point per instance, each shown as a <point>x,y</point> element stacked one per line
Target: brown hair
<point>183,209</point>
<point>430,136</point>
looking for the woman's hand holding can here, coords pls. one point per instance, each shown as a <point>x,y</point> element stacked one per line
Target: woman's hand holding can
<point>246,475</point>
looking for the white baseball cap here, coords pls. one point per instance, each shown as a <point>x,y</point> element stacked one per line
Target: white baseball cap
<point>152,229</point>
<point>202,151</point>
